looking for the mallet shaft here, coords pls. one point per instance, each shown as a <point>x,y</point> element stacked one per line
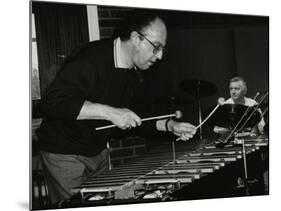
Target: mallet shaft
<point>145,119</point>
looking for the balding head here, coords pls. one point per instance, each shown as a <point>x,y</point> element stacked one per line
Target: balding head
<point>237,89</point>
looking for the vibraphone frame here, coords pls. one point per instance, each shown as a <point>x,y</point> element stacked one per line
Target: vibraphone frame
<point>200,171</point>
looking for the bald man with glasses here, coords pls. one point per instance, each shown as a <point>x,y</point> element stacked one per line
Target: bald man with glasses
<point>156,47</point>
<point>92,90</point>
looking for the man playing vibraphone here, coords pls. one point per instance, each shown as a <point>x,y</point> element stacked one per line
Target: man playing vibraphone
<point>91,86</point>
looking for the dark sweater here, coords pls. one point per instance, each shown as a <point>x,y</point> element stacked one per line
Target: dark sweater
<point>88,74</point>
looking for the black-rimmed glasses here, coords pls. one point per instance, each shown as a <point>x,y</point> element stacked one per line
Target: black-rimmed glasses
<point>156,48</point>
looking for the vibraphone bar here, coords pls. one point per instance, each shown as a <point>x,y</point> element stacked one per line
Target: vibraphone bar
<point>157,176</point>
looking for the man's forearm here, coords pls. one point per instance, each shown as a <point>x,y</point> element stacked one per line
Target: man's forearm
<point>91,110</point>
<point>120,117</point>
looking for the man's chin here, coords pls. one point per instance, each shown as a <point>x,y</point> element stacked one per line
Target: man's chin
<point>145,67</point>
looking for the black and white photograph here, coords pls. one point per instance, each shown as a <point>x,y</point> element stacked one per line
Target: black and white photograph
<point>135,105</point>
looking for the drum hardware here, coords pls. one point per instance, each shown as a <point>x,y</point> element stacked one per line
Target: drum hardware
<point>174,157</point>
<point>249,118</point>
<point>234,131</point>
<point>210,114</point>
<point>177,115</point>
<point>246,185</point>
<point>198,88</point>
<point>255,110</point>
<point>220,102</point>
<point>109,158</point>
<point>241,141</point>
<point>244,182</point>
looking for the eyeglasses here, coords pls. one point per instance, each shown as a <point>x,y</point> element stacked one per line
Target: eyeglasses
<point>156,48</point>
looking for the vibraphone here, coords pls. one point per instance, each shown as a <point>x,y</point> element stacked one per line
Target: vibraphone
<point>159,175</point>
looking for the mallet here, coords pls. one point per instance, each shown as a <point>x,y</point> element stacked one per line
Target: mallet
<point>221,102</point>
<point>177,114</point>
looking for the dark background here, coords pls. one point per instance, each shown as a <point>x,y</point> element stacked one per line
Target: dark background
<point>205,46</point>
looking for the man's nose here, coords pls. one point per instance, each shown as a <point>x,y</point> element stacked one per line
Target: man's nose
<point>159,54</point>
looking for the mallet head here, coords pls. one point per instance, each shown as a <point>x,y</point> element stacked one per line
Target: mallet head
<point>178,114</point>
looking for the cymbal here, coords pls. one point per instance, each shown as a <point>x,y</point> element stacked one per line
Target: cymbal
<point>173,100</point>
<point>198,87</point>
<point>228,116</point>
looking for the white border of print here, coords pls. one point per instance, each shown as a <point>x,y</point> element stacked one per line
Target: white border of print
<point>14,83</point>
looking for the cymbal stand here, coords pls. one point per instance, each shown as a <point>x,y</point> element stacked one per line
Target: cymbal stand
<point>109,158</point>
<point>172,103</point>
<point>246,184</point>
<point>174,158</point>
<point>199,109</point>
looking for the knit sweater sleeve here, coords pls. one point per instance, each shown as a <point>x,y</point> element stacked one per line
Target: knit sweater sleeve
<point>65,97</point>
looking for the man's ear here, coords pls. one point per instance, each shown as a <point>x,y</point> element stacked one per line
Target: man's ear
<point>135,38</point>
<point>244,91</point>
